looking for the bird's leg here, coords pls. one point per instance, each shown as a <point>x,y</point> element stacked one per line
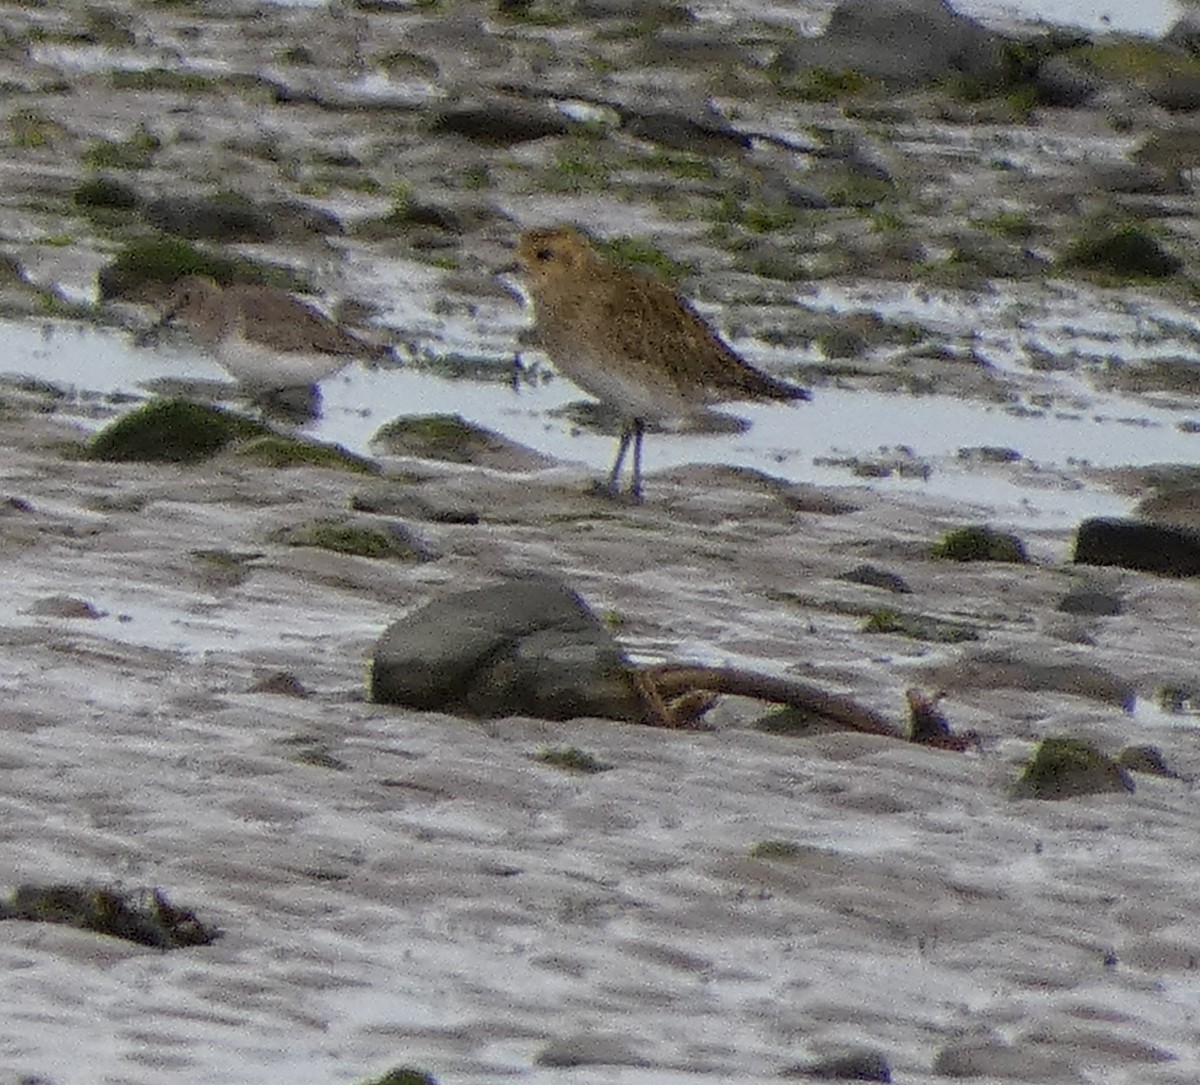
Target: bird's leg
<point>615,474</point>
<point>635,487</point>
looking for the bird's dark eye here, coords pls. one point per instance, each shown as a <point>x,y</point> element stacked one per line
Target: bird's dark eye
<point>544,256</point>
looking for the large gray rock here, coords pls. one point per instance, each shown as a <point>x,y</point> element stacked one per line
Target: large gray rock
<point>900,43</point>
<point>529,647</point>
<point>1153,548</point>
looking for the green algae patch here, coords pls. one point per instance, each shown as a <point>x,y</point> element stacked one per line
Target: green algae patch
<point>1062,768</point>
<point>104,193</point>
<point>451,439</point>
<point>404,1075</point>
<point>980,543</point>
<point>357,538</point>
<point>776,849</point>
<point>919,627</point>
<point>276,451</point>
<point>172,431</point>
<point>158,261</point>
<point>570,759</point>
<point>1127,253</point>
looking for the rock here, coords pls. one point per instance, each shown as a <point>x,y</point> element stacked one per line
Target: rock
<point>860,1064</point>
<point>359,536</point>
<point>1185,33</point>
<point>171,431</point>
<point>64,606</point>
<point>992,1059</point>
<point>501,123</point>
<point>224,218</point>
<point>1063,768</point>
<point>1176,91</point>
<point>1091,601</point>
<point>900,43</point>
<point>1131,544</point>
<point>874,577</point>
<point>706,134</point>
<point>1065,81</point>
<point>1145,759</point>
<point>450,438</point>
<point>980,543</point>
<point>528,647</point>
<point>588,1050</point>
<point>1005,669</point>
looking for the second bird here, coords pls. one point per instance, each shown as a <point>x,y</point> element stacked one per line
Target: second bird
<point>630,341</point>
<point>262,336</point>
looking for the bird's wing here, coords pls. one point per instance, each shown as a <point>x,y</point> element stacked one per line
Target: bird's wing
<point>298,327</point>
<point>650,323</point>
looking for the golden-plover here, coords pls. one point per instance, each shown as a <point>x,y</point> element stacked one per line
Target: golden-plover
<point>630,341</point>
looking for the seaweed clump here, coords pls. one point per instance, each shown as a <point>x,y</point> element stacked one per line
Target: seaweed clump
<point>143,916</point>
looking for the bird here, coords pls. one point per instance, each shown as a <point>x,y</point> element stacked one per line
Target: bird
<point>263,337</point>
<point>630,341</point>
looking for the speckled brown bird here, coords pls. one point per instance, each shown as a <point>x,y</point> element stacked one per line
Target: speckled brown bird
<point>261,335</point>
<point>630,341</point>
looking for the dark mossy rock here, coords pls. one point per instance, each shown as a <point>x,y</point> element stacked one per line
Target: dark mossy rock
<point>143,268</point>
<point>1128,252</point>
<point>358,536</point>
<point>873,577</point>
<point>450,438</point>
<point>528,647</point>
<point>404,1075</point>
<point>277,451</point>
<point>145,917</point>
<point>105,193</point>
<point>1063,768</point>
<point>571,759</point>
<point>501,123</point>
<point>1165,549</point>
<point>858,1064</point>
<point>159,261</point>
<point>980,543</point>
<point>172,431</point>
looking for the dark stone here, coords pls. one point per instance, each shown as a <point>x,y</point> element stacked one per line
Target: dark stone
<point>858,1065</point>
<point>501,123</point>
<point>708,134</point>
<point>1185,33</point>
<point>899,43</point>
<point>1064,81</point>
<point>1091,601</point>
<point>1176,91</point>
<point>528,647</point>
<point>210,218</point>
<point>972,1058</point>
<point>874,577</point>
<point>588,1050</point>
<point>1130,544</point>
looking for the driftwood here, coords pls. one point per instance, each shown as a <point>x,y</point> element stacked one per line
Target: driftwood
<point>678,694</point>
